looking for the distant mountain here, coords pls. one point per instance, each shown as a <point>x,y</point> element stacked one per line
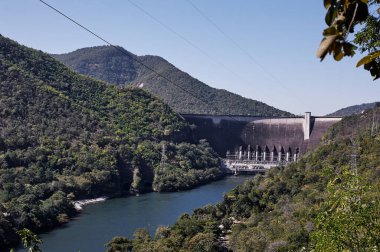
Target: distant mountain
<point>353,110</point>
<point>111,65</point>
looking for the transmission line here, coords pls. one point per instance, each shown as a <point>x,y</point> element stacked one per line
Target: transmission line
<point>180,36</point>
<point>233,41</point>
<point>228,37</point>
<point>190,43</point>
<point>203,101</point>
<point>132,57</point>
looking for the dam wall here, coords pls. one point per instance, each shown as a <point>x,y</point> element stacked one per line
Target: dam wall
<point>293,135</point>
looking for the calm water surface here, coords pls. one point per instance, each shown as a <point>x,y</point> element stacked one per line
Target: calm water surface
<point>98,223</point>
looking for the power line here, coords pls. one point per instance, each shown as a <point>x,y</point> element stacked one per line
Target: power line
<point>132,57</point>
<point>175,32</point>
<point>189,42</point>
<point>181,37</point>
<point>163,161</point>
<point>215,109</point>
<point>233,41</point>
<point>226,35</point>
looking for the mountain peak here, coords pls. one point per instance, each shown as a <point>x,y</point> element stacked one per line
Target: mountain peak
<point>107,63</point>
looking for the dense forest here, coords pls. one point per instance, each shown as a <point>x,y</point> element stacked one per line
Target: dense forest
<point>328,201</point>
<point>65,136</point>
<point>120,67</point>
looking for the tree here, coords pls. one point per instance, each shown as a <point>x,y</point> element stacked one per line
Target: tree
<point>142,241</point>
<point>342,17</point>
<point>29,240</point>
<point>349,220</point>
<point>202,242</point>
<point>119,244</point>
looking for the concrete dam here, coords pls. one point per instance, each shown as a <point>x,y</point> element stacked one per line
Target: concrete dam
<point>260,138</point>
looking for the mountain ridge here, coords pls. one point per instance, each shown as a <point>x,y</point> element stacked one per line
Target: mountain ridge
<point>354,109</point>
<point>110,64</point>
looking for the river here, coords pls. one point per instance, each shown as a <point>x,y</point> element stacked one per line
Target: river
<point>99,222</point>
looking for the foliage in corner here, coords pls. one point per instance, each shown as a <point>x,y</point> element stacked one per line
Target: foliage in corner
<point>349,219</point>
<point>29,240</point>
<point>342,17</point>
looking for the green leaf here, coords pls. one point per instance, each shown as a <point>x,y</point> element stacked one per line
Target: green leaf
<point>349,49</point>
<point>330,31</point>
<point>338,54</point>
<point>367,59</point>
<point>375,55</point>
<point>330,16</point>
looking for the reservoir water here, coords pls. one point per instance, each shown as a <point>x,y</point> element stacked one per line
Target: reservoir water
<point>99,222</point>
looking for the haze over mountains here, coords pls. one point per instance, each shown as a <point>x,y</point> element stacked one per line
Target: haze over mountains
<point>110,64</point>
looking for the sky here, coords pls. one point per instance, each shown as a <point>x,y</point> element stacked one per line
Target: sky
<point>263,50</point>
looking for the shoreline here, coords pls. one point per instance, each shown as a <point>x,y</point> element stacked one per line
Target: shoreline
<point>80,203</point>
<point>125,214</point>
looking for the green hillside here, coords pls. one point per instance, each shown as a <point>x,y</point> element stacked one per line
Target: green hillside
<point>111,65</point>
<point>353,110</point>
<point>64,136</point>
<point>328,201</point>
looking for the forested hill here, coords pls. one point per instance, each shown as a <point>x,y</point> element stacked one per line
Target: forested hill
<point>111,65</point>
<point>327,201</point>
<point>352,110</point>
<point>65,136</point>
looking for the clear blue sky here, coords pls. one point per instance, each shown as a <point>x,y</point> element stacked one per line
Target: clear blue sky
<point>282,36</point>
